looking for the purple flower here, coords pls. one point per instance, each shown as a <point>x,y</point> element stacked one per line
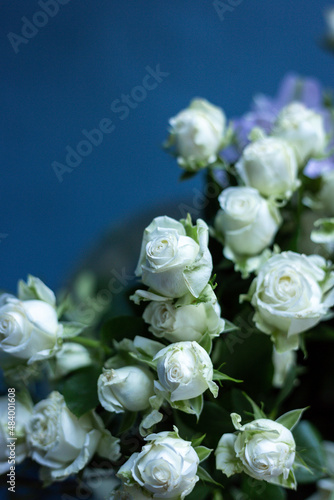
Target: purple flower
<point>265,110</point>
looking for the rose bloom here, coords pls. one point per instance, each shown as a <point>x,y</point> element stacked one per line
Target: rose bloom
<point>126,388</point>
<point>184,322</point>
<point>165,468</point>
<point>263,449</point>
<point>185,371</point>
<point>29,329</point>
<point>270,166</point>
<point>173,263</point>
<point>69,358</point>
<point>303,128</point>
<point>62,443</point>
<point>291,294</point>
<point>247,221</point>
<point>198,133</point>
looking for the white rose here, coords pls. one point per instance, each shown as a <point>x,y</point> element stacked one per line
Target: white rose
<point>184,322</point>
<point>247,221</point>
<point>175,258</point>
<point>185,371</point>
<point>70,357</point>
<point>326,194</point>
<point>263,449</point>
<point>22,414</point>
<point>127,388</point>
<point>198,133</point>
<point>29,329</point>
<point>303,128</point>
<point>270,166</point>
<point>62,443</point>
<point>291,294</point>
<point>165,468</point>
<point>266,449</point>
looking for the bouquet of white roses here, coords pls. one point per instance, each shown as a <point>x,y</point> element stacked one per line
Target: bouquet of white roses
<point>200,390</point>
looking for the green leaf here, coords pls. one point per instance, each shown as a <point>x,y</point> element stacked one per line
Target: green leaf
<point>143,359</point>
<point>261,490</point>
<point>203,452</point>
<point>72,329</point>
<point>258,413</point>
<point>187,175</point>
<point>217,375</point>
<point>198,441</point>
<point>80,390</point>
<point>129,418</point>
<point>65,305</point>
<point>309,449</point>
<point>121,327</point>
<point>291,418</point>
<point>205,476</point>
<point>230,327</point>
<point>197,405</point>
<point>206,343</point>
<point>200,492</point>
<point>299,462</point>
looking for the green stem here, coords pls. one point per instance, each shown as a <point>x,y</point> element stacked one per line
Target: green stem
<point>95,344</point>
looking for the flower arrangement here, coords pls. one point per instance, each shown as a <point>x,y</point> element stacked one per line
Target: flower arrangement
<point>192,395</point>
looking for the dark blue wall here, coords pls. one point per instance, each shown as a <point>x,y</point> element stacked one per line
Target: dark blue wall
<point>66,76</point>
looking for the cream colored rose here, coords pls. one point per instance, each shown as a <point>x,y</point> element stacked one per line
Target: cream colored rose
<point>291,294</point>
<point>198,134</point>
<point>62,443</point>
<point>165,468</point>
<point>263,449</point>
<point>185,371</point>
<point>247,221</point>
<point>303,129</point>
<point>29,329</point>
<point>70,357</point>
<point>269,165</point>
<point>175,258</point>
<point>128,388</point>
<point>184,322</point>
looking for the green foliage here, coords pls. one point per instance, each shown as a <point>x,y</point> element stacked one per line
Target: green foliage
<point>198,441</point>
<point>128,421</point>
<point>206,477</point>
<point>72,329</point>
<point>200,492</point>
<point>203,452</point>
<point>309,449</point>
<point>80,390</point>
<point>206,343</point>
<point>261,490</point>
<point>186,175</point>
<point>291,418</point>
<point>121,327</point>
<point>217,375</point>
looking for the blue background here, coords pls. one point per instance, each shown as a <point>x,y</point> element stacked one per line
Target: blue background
<point>89,54</point>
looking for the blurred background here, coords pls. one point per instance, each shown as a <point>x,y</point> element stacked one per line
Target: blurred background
<point>86,62</point>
